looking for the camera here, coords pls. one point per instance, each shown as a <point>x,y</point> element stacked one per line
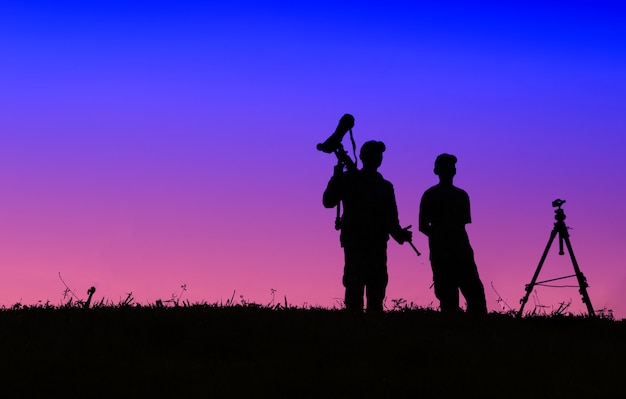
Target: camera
<point>346,123</point>
<point>559,214</point>
<point>333,143</point>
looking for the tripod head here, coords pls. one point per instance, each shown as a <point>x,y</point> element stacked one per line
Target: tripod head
<point>559,213</point>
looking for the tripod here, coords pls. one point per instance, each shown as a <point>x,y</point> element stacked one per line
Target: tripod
<point>561,229</point>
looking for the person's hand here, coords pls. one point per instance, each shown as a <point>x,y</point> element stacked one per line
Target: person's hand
<point>338,170</point>
<point>407,235</point>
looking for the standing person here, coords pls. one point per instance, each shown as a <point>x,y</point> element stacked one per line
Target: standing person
<point>444,212</point>
<point>370,216</point>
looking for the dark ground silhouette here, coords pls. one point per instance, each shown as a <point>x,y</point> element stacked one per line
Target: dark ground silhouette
<point>253,352</point>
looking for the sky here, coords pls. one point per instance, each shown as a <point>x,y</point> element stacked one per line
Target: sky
<point>151,146</point>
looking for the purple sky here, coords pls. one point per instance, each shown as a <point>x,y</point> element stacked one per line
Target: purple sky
<point>149,146</point>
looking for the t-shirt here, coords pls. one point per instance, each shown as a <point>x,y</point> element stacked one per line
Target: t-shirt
<point>444,212</point>
<point>370,212</point>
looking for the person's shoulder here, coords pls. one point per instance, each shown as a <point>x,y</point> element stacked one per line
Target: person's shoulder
<point>376,180</point>
<point>459,190</point>
<point>382,178</point>
<point>385,182</point>
<point>460,193</point>
<point>433,189</point>
<point>429,192</point>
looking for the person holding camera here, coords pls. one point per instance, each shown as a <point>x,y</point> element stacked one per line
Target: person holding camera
<point>370,216</point>
<point>444,212</point>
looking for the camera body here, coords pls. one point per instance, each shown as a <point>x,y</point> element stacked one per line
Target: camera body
<point>558,203</point>
<point>559,214</point>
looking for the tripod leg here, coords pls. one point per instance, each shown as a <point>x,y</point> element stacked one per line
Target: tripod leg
<point>529,287</point>
<point>582,281</point>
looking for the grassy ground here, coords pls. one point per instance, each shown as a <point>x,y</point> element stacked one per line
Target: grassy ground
<point>252,352</point>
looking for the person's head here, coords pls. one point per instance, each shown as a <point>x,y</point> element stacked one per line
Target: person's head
<point>372,154</point>
<point>445,166</point>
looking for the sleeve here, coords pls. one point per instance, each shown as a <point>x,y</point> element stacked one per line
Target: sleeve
<point>424,215</point>
<point>395,230</point>
<point>467,217</point>
<point>332,194</point>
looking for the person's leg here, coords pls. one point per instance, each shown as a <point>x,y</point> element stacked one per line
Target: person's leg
<point>354,297</point>
<point>446,287</point>
<point>448,295</point>
<point>376,277</point>
<point>353,280</point>
<point>472,288</point>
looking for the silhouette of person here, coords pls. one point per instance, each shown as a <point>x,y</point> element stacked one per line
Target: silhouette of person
<point>370,216</point>
<point>444,212</point>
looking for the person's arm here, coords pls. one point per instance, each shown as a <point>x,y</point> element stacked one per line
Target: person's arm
<point>332,194</point>
<point>396,231</point>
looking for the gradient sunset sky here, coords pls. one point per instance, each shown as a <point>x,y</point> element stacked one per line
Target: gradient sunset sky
<point>147,145</point>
